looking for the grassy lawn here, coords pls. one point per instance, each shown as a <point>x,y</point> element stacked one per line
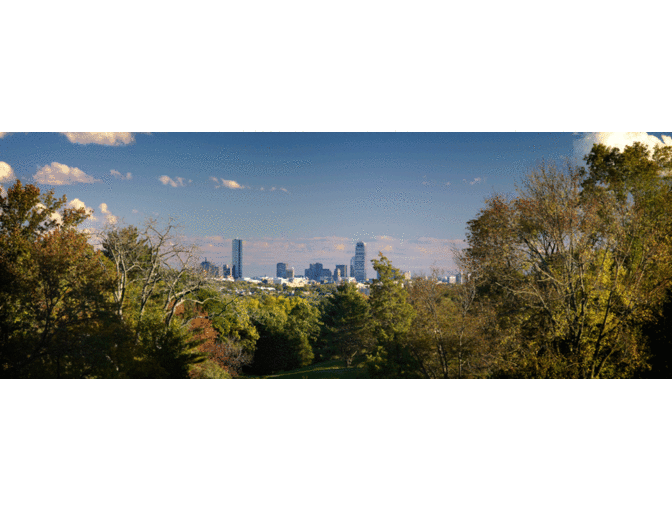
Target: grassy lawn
<point>334,369</point>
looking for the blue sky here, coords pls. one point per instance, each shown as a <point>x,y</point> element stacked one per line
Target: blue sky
<point>295,197</point>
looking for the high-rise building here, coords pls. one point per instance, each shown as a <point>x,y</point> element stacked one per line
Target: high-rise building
<point>318,273</point>
<point>343,269</point>
<point>281,270</point>
<point>237,256</point>
<point>314,272</point>
<point>352,267</point>
<point>209,268</point>
<point>360,262</point>
<point>226,270</point>
<point>289,273</point>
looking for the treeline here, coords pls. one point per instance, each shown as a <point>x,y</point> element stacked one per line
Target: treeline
<point>569,278</point>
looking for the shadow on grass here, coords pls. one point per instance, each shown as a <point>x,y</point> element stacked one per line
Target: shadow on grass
<point>333,369</point>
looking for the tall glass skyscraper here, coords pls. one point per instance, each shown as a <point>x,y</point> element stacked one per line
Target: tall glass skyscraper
<point>237,256</point>
<point>360,262</point>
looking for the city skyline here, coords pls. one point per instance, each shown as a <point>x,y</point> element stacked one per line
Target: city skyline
<point>300,198</point>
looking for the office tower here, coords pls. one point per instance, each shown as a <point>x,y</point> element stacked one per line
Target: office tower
<point>226,270</point>
<point>315,271</point>
<point>360,262</point>
<point>343,269</point>
<point>237,256</point>
<point>209,268</point>
<point>352,267</point>
<point>290,273</point>
<point>281,270</point>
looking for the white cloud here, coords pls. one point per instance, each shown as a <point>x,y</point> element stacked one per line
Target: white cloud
<point>228,184</point>
<point>76,203</point>
<point>6,172</point>
<point>231,184</point>
<point>135,211</point>
<point>54,216</point>
<point>179,181</point>
<point>109,217</point>
<point>477,180</point>
<point>620,140</point>
<point>119,175</point>
<point>225,183</point>
<point>58,174</point>
<point>101,138</point>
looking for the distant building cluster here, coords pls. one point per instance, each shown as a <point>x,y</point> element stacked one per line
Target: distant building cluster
<point>229,272</point>
<point>209,268</point>
<point>315,272</point>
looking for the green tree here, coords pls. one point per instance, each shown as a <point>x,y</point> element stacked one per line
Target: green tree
<point>235,337</point>
<point>230,317</point>
<point>163,351</point>
<point>446,336</point>
<point>286,327</point>
<point>392,317</point>
<point>347,322</point>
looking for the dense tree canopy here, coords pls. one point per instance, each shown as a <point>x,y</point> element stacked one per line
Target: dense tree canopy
<point>575,263</point>
<point>569,277</point>
<point>56,319</point>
